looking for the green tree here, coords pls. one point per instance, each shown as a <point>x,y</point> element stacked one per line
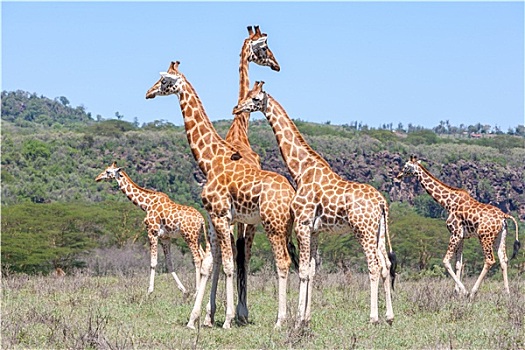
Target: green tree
<point>39,237</point>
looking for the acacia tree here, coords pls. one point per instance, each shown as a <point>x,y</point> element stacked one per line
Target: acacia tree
<point>40,237</point>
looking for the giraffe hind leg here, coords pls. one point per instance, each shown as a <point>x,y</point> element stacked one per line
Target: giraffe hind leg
<point>503,260</point>
<point>166,246</point>
<point>487,243</point>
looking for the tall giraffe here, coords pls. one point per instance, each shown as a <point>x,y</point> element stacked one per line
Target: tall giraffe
<point>165,220</point>
<point>467,218</point>
<point>324,202</point>
<point>254,49</point>
<point>235,190</point>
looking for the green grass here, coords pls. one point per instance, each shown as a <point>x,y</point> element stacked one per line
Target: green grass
<point>84,312</point>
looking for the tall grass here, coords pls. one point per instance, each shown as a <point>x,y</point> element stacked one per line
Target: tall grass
<point>108,312</point>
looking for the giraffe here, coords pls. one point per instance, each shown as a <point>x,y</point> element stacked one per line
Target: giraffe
<point>254,49</point>
<point>467,218</point>
<point>165,220</point>
<point>235,191</point>
<point>325,202</point>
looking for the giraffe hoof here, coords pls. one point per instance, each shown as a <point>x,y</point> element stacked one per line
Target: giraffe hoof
<point>390,321</point>
<point>301,324</point>
<point>242,321</point>
<point>374,320</point>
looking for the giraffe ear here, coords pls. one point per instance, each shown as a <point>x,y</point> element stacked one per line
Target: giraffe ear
<point>419,162</point>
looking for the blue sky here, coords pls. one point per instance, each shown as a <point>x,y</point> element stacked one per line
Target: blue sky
<point>371,62</point>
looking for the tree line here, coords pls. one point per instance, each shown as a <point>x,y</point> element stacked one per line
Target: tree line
<point>53,212</point>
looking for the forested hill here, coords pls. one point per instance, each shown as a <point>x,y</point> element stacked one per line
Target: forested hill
<point>52,151</point>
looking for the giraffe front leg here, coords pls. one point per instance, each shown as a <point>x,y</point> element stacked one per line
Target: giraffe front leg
<point>314,262</point>
<point>152,236</point>
<point>278,240</point>
<point>166,246</point>
<point>223,229</point>
<point>455,239</point>
<point>303,240</point>
<point>211,307</point>
<point>459,264</point>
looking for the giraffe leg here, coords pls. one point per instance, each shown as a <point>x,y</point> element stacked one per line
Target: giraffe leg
<point>314,262</point>
<point>459,264</point>
<point>385,273</point>
<point>502,256</point>
<point>374,274</point>
<point>206,269</point>
<point>192,240</point>
<point>166,246</point>
<point>277,237</point>
<point>224,234</point>
<point>211,307</point>
<point>455,237</point>
<point>303,241</point>
<point>487,243</point>
<point>245,235</point>
<point>153,258</point>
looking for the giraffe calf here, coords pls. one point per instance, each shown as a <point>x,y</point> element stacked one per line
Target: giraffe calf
<point>164,220</point>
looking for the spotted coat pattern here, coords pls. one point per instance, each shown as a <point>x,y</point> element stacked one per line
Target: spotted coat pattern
<point>235,190</point>
<point>164,220</point>
<point>324,202</point>
<point>466,218</point>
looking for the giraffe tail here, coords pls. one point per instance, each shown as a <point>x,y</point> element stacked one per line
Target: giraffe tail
<point>241,254</point>
<point>391,254</point>
<point>517,244</point>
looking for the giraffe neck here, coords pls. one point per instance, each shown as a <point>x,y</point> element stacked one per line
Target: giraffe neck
<point>205,143</point>
<point>238,133</point>
<point>296,152</point>
<point>447,196</point>
<point>244,80</point>
<point>138,195</point>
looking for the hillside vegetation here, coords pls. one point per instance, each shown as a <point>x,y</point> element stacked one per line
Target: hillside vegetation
<point>53,211</point>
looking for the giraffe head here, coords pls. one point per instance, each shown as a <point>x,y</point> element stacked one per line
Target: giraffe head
<point>259,52</point>
<point>111,172</point>
<point>255,100</point>
<point>410,169</point>
<point>169,82</point>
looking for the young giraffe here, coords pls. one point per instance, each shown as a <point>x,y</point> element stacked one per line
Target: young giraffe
<point>165,220</point>
<point>467,218</point>
<point>254,49</point>
<point>235,190</point>
<point>324,202</point>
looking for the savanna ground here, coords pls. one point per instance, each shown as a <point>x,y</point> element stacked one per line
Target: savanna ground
<point>90,311</point>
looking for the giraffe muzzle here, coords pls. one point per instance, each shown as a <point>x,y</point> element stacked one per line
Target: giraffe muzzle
<point>150,94</point>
